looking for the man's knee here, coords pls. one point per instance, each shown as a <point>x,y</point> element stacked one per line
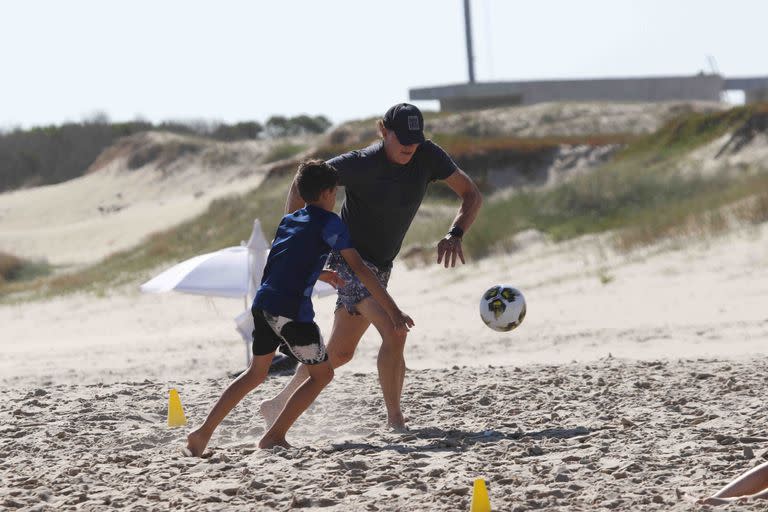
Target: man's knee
<point>394,339</point>
<point>347,331</point>
<point>340,357</point>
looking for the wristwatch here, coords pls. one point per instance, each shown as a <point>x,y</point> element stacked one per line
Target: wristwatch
<point>456,232</point>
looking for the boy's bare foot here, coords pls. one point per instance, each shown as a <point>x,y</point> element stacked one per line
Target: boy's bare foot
<point>268,442</point>
<point>712,500</point>
<point>196,443</point>
<point>269,410</point>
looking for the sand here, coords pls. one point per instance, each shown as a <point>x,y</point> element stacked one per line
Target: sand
<point>609,435</point>
<point>636,382</point>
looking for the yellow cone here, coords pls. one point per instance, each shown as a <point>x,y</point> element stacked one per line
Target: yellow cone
<point>480,501</point>
<point>175,411</point>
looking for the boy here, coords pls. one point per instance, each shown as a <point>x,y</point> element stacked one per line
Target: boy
<point>282,310</point>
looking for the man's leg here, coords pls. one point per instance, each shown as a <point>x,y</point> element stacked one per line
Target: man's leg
<point>320,375</point>
<point>345,335</point>
<point>391,363</point>
<point>198,439</point>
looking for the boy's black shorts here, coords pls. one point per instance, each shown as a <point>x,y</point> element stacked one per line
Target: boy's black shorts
<point>301,341</point>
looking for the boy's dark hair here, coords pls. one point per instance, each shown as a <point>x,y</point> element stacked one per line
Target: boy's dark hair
<point>313,177</point>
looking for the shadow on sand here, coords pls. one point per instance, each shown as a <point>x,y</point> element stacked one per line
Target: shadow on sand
<point>457,440</point>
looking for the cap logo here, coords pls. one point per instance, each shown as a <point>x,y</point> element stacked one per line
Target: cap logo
<point>413,123</point>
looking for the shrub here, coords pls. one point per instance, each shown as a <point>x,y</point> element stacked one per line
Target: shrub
<point>13,269</point>
<point>10,266</point>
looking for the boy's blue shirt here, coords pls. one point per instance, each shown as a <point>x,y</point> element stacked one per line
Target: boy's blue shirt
<point>301,245</point>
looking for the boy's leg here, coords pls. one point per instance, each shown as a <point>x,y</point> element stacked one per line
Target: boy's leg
<point>198,439</point>
<point>345,335</point>
<point>391,363</point>
<point>319,376</point>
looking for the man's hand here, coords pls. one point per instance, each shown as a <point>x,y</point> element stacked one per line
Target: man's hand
<point>332,278</point>
<point>448,248</point>
<point>401,321</point>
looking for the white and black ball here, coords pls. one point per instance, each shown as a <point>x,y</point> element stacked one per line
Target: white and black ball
<point>502,307</point>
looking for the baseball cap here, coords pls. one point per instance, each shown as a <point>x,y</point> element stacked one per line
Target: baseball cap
<point>407,123</point>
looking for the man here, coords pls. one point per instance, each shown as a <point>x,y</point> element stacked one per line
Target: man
<point>282,310</point>
<point>385,184</point>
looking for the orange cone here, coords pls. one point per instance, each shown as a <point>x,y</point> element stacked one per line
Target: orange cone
<point>480,500</point>
<point>175,411</point>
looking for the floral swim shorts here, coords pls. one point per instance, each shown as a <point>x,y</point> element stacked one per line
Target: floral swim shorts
<point>353,291</point>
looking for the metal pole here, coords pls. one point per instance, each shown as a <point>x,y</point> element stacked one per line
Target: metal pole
<point>468,30</point>
<point>247,345</point>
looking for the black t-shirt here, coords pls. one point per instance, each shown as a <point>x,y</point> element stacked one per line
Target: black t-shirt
<point>382,197</point>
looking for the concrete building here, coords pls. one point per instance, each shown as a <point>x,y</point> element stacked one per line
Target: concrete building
<point>755,88</point>
<point>706,87</point>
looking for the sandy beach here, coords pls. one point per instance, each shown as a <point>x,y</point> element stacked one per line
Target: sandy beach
<point>635,382</point>
<point>608,435</point>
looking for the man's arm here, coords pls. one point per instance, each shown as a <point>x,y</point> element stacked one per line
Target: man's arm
<point>471,200</point>
<point>294,200</point>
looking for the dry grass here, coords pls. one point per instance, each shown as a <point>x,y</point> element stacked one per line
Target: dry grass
<point>462,146</point>
<point>283,151</point>
<point>688,132</point>
<point>728,208</point>
<point>696,226</point>
<point>753,211</point>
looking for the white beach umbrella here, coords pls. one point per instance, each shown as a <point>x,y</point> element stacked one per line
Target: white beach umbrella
<point>233,272</point>
<point>222,273</point>
<point>258,250</point>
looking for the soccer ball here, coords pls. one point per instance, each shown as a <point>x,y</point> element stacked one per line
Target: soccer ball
<point>502,307</point>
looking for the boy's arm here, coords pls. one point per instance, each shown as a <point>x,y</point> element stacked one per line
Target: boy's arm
<point>380,295</point>
<point>294,200</point>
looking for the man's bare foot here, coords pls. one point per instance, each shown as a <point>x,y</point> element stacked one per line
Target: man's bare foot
<point>196,442</point>
<point>268,442</point>
<point>270,410</point>
<point>396,422</point>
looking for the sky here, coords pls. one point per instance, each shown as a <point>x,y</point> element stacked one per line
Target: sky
<point>234,60</point>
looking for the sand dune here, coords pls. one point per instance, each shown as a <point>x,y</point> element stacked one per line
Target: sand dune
<point>123,199</point>
<point>152,181</point>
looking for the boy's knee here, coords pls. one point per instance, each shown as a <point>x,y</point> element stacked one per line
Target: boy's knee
<point>257,372</point>
<point>254,377</point>
<point>323,374</point>
<point>328,374</point>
